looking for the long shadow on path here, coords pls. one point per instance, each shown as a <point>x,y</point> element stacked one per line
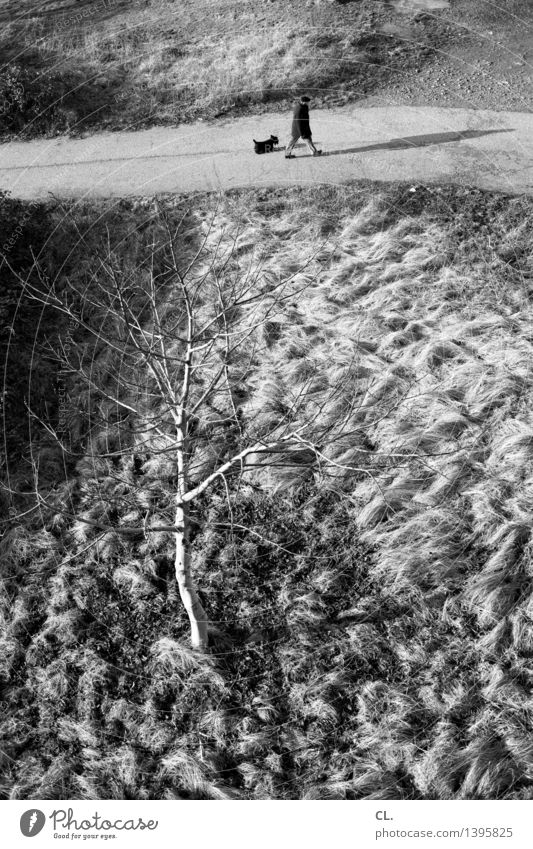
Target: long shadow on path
<point>419,141</point>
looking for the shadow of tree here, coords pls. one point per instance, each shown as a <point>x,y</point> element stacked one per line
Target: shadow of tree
<point>38,96</point>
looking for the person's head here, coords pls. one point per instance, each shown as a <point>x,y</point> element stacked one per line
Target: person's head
<point>305,99</point>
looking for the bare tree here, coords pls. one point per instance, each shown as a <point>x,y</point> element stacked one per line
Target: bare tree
<point>165,350</point>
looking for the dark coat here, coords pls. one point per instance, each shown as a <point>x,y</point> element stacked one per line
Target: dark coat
<point>300,121</point>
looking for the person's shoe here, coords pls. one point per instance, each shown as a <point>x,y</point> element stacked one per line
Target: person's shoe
<point>290,156</point>
<point>317,153</point>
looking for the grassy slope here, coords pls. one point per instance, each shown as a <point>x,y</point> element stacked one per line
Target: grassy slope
<point>86,66</point>
<point>373,636</point>
<point>164,62</point>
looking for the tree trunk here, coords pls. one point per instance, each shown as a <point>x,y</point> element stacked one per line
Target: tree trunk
<point>189,596</point>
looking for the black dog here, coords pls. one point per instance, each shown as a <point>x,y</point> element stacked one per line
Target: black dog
<point>266,146</point>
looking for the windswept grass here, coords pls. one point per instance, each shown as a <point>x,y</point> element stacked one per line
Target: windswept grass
<point>372,622</point>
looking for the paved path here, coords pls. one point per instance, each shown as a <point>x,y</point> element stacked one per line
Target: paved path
<point>492,150</point>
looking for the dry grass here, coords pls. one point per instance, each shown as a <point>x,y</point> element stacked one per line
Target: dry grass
<point>372,622</point>
<point>115,64</point>
<point>80,65</point>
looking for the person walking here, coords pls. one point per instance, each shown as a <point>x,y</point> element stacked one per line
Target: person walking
<point>301,128</point>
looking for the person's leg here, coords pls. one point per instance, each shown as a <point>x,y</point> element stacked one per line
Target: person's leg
<point>290,145</point>
<point>312,147</point>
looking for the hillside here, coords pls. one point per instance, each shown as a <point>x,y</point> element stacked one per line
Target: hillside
<point>371,614</point>
<point>73,67</point>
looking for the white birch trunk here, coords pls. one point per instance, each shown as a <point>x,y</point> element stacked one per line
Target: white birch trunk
<point>184,579</point>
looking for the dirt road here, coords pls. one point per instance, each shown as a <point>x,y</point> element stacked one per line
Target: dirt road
<point>490,150</point>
